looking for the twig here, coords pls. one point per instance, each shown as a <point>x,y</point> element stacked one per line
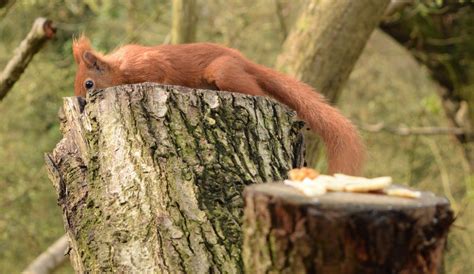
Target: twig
<point>50,259</point>
<point>406,131</point>
<point>41,31</point>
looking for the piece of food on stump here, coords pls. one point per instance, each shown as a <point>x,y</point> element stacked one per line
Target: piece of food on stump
<point>299,174</point>
<point>402,192</point>
<point>311,183</point>
<point>367,185</point>
<point>308,187</point>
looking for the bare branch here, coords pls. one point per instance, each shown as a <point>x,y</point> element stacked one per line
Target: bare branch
<point>51,259</point>
<point>405,131</point>
<point>41,31</point>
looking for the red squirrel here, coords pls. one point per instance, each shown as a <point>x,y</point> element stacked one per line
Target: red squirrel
<point>211,66</point>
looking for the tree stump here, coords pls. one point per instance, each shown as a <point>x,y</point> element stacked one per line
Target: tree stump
<point>150,177</point>
<point>287,232</point>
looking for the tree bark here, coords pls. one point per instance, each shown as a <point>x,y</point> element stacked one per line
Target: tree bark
<point>326,42</point>
<point>150,177</point>
<point>324,45</point>
<point>41,32</point>
<point>287,232</point>
<point>183,28</point>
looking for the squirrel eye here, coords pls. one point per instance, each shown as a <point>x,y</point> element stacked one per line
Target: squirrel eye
<point>88,84</point>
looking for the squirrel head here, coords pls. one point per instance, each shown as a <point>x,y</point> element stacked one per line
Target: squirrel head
<point>93,69</point>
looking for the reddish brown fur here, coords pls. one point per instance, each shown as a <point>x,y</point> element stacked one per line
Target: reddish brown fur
<point>210,66</point>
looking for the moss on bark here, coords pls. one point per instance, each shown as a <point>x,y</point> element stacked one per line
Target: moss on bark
<point>150,177</point>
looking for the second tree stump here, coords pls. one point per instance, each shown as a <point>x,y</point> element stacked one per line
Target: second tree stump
<point>287,232</point>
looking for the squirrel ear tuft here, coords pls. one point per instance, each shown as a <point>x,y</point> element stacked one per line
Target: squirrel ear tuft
<point>92,61</point>
<point>79,46</point>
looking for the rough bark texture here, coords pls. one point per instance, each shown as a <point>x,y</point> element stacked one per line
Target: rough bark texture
<point>183,28</point>
<point>285,232</point>
<point>41,32</point>
<point>150,177</point>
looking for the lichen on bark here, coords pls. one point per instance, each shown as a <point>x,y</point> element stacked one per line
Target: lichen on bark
<point>150,177</point>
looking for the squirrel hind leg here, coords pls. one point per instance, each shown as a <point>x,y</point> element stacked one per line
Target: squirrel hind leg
<point>228,74</point>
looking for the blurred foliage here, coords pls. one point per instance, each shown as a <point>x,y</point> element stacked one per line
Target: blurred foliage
<point>440,35</point>
<point>30,219</point>
<point>398,91</point>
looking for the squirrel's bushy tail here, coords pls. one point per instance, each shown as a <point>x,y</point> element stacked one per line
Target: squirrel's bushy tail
<point>344,147</point>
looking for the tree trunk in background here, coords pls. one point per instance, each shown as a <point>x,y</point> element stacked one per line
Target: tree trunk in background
<point>326,41</point>
<point>131,26</point>
<point>287,232</point>
<point>150,177</point>
<point>183,28</point>
<point>324,45</point>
